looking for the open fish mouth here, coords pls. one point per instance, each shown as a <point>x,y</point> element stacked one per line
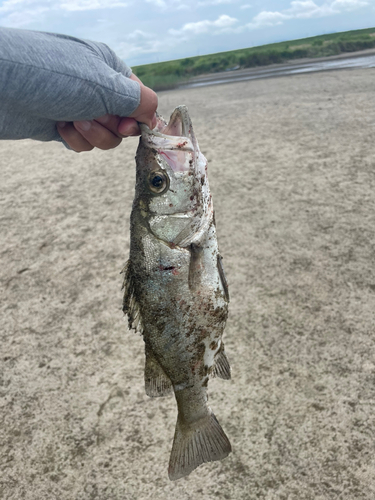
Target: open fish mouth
<point>173,140</point>
<point>176,135</point>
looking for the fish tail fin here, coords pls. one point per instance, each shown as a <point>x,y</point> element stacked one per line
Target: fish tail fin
<point>197,443</point>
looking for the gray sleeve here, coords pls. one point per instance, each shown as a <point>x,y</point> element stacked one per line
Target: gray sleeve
<point>46,78</point>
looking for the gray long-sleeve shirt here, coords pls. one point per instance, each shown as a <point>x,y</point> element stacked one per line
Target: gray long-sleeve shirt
<point>46,78</point>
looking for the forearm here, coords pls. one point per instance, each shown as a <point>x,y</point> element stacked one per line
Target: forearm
<point>46,78</point>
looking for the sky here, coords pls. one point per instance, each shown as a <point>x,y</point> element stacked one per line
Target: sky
<point>146,31</point>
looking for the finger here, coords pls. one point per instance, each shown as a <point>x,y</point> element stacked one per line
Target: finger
<point>128,127</point>
<point>110,122</point>
<point>73,138</point>
<point>135,78</point>
<point>97,135</point>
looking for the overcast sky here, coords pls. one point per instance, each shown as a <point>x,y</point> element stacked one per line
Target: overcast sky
<point>143,31</point>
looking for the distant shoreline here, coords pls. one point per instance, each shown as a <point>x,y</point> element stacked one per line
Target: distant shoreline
<point>271,70</point>
<point>199,70</point>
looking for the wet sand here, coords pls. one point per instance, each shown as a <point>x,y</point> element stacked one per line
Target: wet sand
<point>292,172</point>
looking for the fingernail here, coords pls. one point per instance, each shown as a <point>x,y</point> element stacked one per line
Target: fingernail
<point>61,124</point>
<point>84,125</point>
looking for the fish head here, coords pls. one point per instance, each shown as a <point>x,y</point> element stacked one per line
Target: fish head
<point>172,191</point>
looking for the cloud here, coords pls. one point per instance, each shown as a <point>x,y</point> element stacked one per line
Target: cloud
<point>214,2</point>
<point>267,18</point>
<point>21,19</point>
<point>75,5</point>
<point>151,45</point>
<point>13,5</point>
<point>19,13</point>
<point>168,4</point>
<point>225,21</point>
<point>246,6</point>
<point>308,9</point>
<point>161,4</point>
<point>222,23</point>
<point>304,9</point>
<point>138,35</point>
<point>349,4</point>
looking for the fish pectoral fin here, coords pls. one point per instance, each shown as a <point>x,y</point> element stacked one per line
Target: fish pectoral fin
<point>222,367</point>
<point>197,443</point>
<point>130,305</point>
<point>195,267</point>
<point>157,383</point>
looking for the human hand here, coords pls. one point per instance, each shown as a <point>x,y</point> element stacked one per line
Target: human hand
<point>106,132</point>
<point>59,88</point>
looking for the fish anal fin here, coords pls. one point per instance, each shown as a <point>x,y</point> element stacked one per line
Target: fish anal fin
<point>222,367</point>
<point>157,383</point>
<point>195,444</point>
<point>130,305</point>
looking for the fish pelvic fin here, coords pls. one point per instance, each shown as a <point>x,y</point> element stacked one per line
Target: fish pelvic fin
<point>130,305</point>
<point>195,267</point>
<point>222,367</point>
<point>222,276</point>
<point>157,383</point>
<point>195,444</point>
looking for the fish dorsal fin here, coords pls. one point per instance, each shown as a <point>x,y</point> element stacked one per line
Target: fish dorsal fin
<point>130,305</point>
<point>157,383</point>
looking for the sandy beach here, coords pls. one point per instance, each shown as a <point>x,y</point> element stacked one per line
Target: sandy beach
<point>292,173</point>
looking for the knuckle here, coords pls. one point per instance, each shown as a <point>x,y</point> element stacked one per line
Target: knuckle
<point>105,142</point>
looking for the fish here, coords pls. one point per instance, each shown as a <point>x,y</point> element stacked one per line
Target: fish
<point>175,290</point>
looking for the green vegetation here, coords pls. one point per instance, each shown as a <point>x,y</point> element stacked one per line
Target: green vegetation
<point>160,76</point>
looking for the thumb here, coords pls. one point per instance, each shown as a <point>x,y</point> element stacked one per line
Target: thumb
<point>145,113</point>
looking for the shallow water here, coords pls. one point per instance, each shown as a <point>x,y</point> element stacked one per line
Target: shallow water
<point>360,62</point>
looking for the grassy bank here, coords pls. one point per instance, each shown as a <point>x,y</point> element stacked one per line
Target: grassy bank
<point>164,75</point>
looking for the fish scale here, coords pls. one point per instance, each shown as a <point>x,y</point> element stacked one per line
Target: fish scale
<point>176,294</point>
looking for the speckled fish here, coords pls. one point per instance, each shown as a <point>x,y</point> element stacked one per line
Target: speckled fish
<point>176,293</point>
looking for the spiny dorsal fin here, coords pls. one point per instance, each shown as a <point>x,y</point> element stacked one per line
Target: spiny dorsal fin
<point>157,383</point>
<point>130,305</point>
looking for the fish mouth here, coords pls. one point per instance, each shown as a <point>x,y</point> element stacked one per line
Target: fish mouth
<point>177,135</point>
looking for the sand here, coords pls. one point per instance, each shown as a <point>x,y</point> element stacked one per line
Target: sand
<point>292,172</point>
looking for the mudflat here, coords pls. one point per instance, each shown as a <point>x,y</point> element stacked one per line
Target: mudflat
<point>292,173</point>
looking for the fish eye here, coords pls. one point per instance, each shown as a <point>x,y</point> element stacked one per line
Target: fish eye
<point>158,182</point>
